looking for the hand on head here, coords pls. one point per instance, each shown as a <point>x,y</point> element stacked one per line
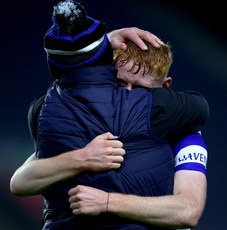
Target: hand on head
<point>119,37</point>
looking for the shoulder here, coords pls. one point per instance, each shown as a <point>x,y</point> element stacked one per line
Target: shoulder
<point>176,102</point>
<point>33,114</point>
<point>179,113</point>
<point>166,94</point>
<point>36,105</point>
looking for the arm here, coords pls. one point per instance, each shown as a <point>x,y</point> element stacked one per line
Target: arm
<point>180,210</point>
<point>118,38</point>
<point>36,176</point>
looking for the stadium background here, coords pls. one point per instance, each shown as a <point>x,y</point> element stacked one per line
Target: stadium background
<point>197,33</point>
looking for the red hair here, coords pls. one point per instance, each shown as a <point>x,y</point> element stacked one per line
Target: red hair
<point>155,61</point>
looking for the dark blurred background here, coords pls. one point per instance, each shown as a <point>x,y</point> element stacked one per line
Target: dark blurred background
<point>197,33</point>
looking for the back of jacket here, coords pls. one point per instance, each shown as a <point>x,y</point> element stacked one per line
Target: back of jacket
<point>81,106</point>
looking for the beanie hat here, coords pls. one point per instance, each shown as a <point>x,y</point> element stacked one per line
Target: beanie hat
<point>75,40</point>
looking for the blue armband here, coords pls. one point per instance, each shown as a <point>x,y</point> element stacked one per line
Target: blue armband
<point>191,153</point>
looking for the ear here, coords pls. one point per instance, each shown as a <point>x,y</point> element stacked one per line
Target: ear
<point>167,82</point>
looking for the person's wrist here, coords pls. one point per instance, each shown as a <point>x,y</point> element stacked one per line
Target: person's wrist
<point>111,202</point>
<point>115,203</point>
<point>78,160</point>
<point>107,202</point>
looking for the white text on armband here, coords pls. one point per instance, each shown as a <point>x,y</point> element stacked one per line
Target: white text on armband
<point>191,154</point>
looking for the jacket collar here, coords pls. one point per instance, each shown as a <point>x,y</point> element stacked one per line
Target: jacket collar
<point>98,75</point>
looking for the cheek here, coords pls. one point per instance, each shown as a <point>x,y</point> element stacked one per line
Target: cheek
<point>121,74</point>
<point>118,72</point>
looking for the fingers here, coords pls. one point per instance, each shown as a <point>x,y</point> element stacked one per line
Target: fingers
<point>117,152</point>
<point>114,147</point>
<point>140,35</point>
<point>112,151</point>
<point>103,153</point>
<point>87,200</point>
<point>151,38</point>
<point>137,36</point>
<point>118,43</point>
<point>115,166</point>
<point>117,159</point>
<point>112,143</point>
<point>73,192</point>
<point>106,136</point>
<point>114,162</point>
<point>119,37</point>
<point>115,144</point>
<point>74,200</point>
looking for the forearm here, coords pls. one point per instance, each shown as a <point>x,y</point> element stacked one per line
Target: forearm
<point>36,176</point>
<point>173,211</point>
<point>183,209</point>
<point>169,212</point>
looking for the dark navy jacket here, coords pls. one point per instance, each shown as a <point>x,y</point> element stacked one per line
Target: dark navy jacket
<point>88,102</point>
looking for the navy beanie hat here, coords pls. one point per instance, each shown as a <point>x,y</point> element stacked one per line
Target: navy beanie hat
<point>75,40</point>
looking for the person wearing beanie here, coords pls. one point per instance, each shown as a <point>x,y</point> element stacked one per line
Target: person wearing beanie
<point>86,101</point>
<point>75,40</point>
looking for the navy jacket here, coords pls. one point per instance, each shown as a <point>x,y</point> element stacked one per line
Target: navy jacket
<point>88,102</point>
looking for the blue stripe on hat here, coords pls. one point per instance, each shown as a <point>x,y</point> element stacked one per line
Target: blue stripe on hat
<point>52,34</point>
<point>87,62</point>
